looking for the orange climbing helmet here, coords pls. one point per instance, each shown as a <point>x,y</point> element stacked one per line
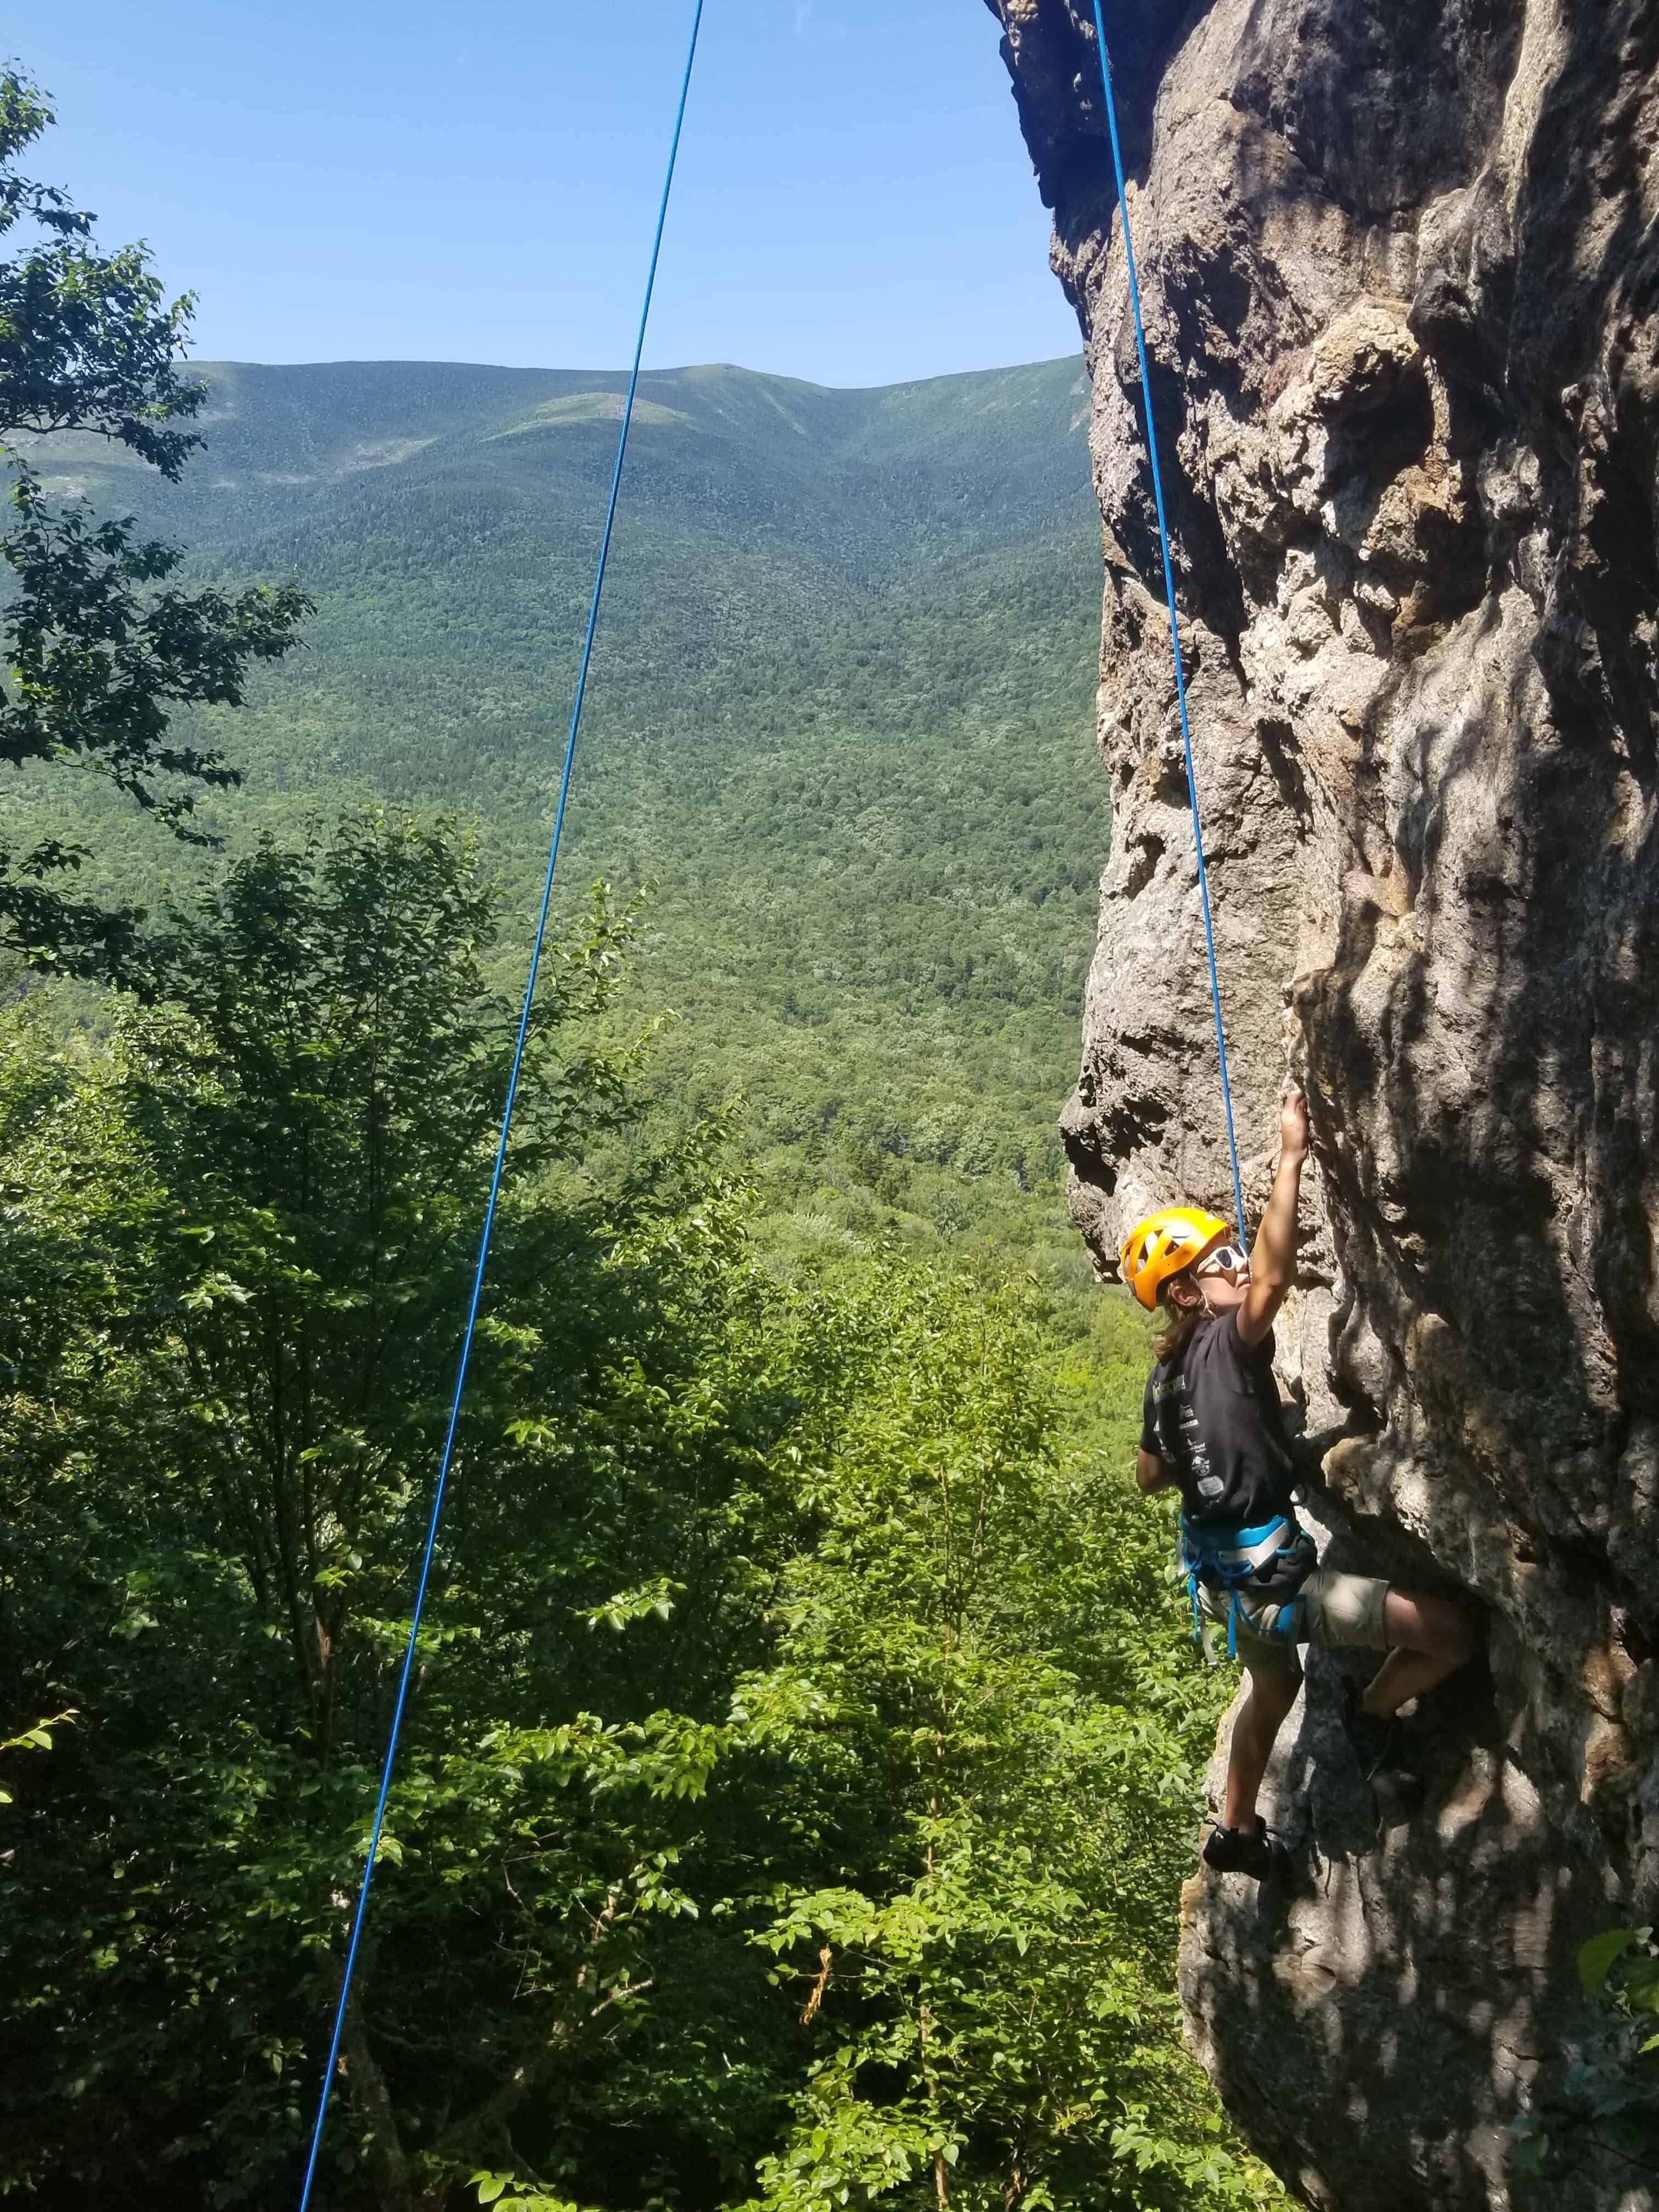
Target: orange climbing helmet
<point>1162,1244</point>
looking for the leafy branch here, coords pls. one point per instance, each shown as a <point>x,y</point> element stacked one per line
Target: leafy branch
<point>38,1738</point>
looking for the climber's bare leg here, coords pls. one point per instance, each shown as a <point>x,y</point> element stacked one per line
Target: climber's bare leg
<point>1272,1694</point>
<point>1430,1640</point>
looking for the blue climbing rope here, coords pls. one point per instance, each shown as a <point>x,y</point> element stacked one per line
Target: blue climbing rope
<point>1169,599</point>
<point>447,1454</point>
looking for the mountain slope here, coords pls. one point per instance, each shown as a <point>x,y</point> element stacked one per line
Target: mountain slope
<point>839,710</point>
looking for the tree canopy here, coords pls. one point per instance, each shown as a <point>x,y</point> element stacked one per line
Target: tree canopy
<point>800,1757</point>
<point>98,649</point>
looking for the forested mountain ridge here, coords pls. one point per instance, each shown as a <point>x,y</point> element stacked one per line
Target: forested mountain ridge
<point>1006,444</point>
<point>838,715</point>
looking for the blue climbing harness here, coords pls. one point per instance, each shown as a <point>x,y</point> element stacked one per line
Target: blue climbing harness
<point>1225,1555</point>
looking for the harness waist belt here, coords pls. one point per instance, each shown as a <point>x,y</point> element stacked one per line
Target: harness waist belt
<point>1235,1553</point>
<point>1226,1555</point>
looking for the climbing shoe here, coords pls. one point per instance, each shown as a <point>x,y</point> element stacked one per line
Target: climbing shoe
<point>1376,1744</point>
<point>1247,1850</point>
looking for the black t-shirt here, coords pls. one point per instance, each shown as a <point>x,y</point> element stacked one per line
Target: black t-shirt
<point>1212,1415</point>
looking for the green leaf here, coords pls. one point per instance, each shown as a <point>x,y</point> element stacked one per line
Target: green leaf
<point>1597,1957</point>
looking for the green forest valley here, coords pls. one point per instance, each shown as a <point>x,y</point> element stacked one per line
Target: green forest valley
<point>838,725</point>
<point>803,1758</point>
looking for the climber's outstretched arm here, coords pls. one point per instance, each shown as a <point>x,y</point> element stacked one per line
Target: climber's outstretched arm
<point>1272,1256</point>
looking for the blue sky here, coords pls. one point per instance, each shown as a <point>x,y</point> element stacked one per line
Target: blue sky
<point>478,182</point>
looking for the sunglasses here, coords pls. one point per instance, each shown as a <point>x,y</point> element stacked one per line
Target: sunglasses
<point>1225,1260</point>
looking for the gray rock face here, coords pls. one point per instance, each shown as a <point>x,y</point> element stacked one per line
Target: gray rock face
<point>1400,261</point>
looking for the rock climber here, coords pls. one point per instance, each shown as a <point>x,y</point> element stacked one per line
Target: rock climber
<point>1213,1428</point>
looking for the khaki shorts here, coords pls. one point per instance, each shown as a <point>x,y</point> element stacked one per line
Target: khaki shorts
<point>1338,1610</point>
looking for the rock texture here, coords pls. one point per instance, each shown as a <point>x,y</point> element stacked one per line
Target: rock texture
<point>1401,268</point>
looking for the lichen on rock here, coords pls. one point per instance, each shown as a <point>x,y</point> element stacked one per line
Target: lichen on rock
<point>1399,264</point>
